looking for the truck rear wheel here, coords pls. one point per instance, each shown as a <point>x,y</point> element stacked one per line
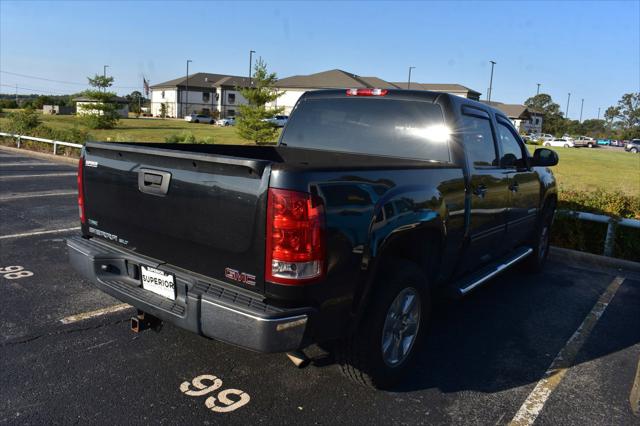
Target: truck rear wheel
<point>384,347</point>
<point>540,241</point>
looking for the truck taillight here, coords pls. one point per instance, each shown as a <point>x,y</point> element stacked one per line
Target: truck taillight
<point>295,237</point>
<point>81,189</point>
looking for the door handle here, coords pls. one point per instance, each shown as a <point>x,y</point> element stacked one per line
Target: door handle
<point>480,190</point>
<point>153,182</point>
<point>514,187</point>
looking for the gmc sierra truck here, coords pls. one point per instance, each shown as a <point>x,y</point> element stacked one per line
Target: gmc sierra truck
<point>371,202</point>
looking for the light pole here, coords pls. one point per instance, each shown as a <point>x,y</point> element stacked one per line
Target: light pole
<point>491,81</point>
<point>409,81</point>
<point>598,113</point>
<point>581,107</point>
<point>186,92</point>
<point>566,112</point>
<point>538,91</point>
<point>251,52</point>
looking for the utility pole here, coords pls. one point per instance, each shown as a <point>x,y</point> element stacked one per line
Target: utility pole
<point>491,81</point>
<point>538,91</point>
<point>186,100</point>
<point>581,107</point>
<point>251,52</point>
<point>104,74</point>
<point>409,81</point>
<point>598,113</point>
<point>566,112</point>
<point>16,93</point>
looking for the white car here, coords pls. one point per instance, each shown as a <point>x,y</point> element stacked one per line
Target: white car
<point>278,120</point>
<point>229,121</point>
<point>199,118</point>
<point>559,142</point>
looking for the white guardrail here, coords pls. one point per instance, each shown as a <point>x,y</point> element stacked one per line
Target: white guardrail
<point>55,144</point>
<point>612,222</point>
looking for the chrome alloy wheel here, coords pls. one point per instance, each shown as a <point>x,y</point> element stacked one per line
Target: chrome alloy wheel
<point>401,327</point>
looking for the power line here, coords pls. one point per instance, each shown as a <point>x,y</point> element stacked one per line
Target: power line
<point>60,81</point>
<point>13,86</point>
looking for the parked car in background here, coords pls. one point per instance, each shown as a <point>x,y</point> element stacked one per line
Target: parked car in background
<point>546,137</point>
<point>199,118</point>
<point>615,142</point>
<point>559,142</point>
<point>605,142</point>
<point>278,120</point>
<point>584,141</point>
<point>633,146</point>
<point>229,121</point>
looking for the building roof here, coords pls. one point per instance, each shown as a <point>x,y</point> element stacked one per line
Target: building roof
<point>332,79</point>
<point>515,111</point>
<point>203,80</point>
<point>116,99</point>
<point>449,88</point>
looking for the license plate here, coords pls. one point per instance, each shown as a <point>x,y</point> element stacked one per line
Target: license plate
<point>158,282</point>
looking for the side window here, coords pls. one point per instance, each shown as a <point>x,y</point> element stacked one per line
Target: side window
<point>232,98</point>
<point>512,155</point>
<point>206,96</point>
<point>478,141</point>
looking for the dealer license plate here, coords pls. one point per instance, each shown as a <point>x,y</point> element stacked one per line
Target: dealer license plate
<point>158,282</point>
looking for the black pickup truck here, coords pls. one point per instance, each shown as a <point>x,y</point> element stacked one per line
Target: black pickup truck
<point>372,201</point>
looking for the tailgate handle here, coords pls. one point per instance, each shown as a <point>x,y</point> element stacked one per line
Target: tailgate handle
<point>154,182</point>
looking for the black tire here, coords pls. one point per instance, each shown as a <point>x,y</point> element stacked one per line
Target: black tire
<point>360,356</point>
<point>196,121</point>
<point>535,262</point>
<point>589,145</point>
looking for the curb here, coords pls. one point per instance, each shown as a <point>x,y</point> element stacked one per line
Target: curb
<point>41,155</point>
<point>594,259</point>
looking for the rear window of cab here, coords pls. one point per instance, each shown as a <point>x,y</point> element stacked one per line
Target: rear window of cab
<point>366,125</point>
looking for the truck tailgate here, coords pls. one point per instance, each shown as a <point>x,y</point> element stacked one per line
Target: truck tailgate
<point>202,212</point>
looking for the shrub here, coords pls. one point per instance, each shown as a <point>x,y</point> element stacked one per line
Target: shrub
<point>23,122</point>
<point>187,137</point>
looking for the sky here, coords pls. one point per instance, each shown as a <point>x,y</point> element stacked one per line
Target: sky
<point>588,49</point>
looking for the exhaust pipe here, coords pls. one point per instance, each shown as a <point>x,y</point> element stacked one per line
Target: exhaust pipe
<point>144,321</point>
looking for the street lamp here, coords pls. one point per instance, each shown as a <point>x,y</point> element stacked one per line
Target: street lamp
<point>538,91</point>
<point>566,113</point>
<point>251,52</point>
<point>491,81</point>
<point>581,107</point>
<point>186,101</point>
<point>598,113</point>
<point>104,74</point>
<point>409,81</point>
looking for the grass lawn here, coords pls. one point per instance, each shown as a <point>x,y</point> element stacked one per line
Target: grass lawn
<point>587,169</point>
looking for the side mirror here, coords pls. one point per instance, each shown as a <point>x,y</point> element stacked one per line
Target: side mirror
<point>544,157</point>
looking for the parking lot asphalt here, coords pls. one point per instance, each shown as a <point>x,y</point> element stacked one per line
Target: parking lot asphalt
<point>487,357</point>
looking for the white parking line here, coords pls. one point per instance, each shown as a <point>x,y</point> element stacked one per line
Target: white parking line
<point>43,175</point>
<point>36,194</point>
<point>29,234</point>
<point>536,400</point>
<point>25,163</point>
<point>92,314</point>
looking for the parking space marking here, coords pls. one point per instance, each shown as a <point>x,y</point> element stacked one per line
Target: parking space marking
<point>634,396</point>
<point>228,405</point>
<point>43,175</point>
<point>27,164</point>
<point>97,313</point>
<point>37,194</point>
<point>536,400</point>
<point>29,234</point>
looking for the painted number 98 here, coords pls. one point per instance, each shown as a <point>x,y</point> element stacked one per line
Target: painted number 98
<point>15,272</point>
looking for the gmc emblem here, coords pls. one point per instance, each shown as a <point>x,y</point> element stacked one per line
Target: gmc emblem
<point>240,277</point>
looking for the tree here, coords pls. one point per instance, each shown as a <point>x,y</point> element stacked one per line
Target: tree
<point>626,115</point>
<point>22,122</point>
<point>163,110</point>
<point>135,100</point>
<point>251,124</point>
<point>593,127</point>
<point>552,121</point>
<point>102,112</point>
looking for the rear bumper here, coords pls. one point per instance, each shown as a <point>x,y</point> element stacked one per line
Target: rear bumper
<point>203,305</point>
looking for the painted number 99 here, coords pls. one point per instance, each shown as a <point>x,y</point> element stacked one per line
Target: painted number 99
<point>15,272</point>
<point>223,404</point>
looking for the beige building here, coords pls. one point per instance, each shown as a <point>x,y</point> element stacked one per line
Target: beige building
<point>524,119</point>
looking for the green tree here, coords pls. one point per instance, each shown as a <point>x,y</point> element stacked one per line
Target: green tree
<point>552,120</point>
<point>251,124</point>
<point>163,110</point>
<point>625,116</point>
<point>24,122</point>
<point>102,112</point>
<point>593,128</point>
<point>135,100</point>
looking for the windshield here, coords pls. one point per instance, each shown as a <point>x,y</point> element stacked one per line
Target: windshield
<point>396,128</point>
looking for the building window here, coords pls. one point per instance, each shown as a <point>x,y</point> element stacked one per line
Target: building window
<point>162,94</point>
<point>232,98</point>
<point>231,112</point>
<point>206,97</point>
